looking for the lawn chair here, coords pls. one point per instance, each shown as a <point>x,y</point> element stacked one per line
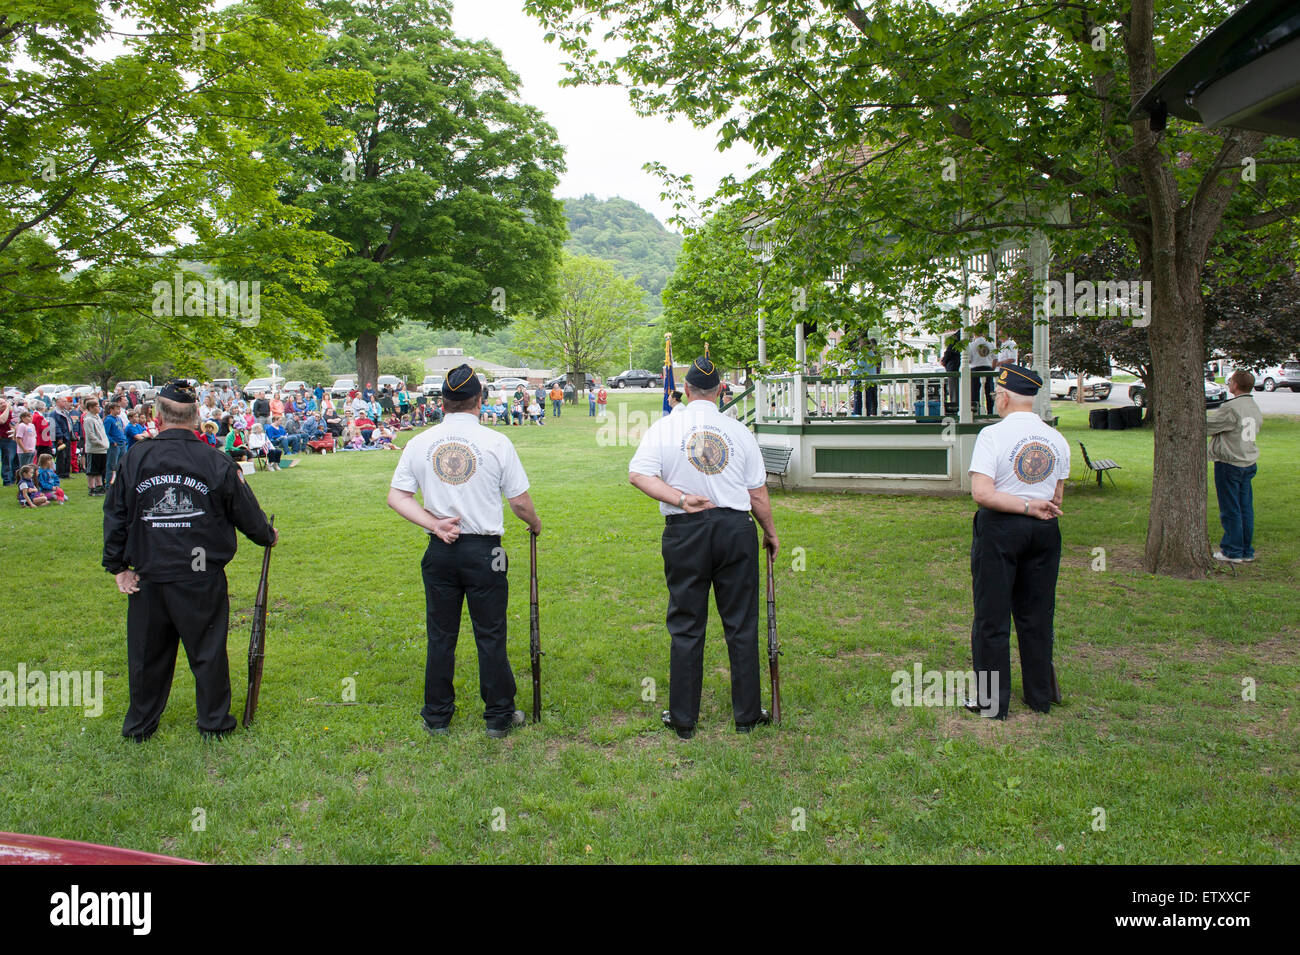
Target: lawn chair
<point>1098,467</point>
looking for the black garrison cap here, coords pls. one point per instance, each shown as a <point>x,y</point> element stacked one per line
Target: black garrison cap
<point>1018,378</point>
<point>461,384</point>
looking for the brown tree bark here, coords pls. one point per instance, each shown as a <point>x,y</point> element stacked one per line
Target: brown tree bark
<point>367,359</point>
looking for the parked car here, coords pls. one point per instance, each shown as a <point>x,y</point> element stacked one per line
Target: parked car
<point>269,385</point>
<point>137,384</point>
<point>1066,385</point>
<point>1285,375</point>
<point>507,384</point>
<point>342,386</point>
<point>1215,394</point>
<point>638,378</point>
<point>293,387</point>
<point>431,386</point>
<point>48,393</point>
<point>390,381</point>
<point>563,379</point>
<point>83,391</point>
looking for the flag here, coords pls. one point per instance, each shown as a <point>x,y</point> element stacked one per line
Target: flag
<point>669,387</point>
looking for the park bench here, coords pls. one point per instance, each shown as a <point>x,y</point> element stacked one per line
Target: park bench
<point>1098,467</point>
<point>776,460</point>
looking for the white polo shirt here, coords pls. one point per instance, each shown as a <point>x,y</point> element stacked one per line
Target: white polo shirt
<point>462,469</point>
<point>1024,455</point>
<point>702,451</point>
<point>981,353</point>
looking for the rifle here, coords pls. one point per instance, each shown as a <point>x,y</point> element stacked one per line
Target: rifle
<point>535,632</point>
<point>773,644</point>
<point>257,639</point>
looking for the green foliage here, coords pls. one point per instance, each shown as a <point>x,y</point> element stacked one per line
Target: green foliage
<point>620,231</point>
<point>108,159</point>
<point>311,371</point>
<point>443,191</point>
<point>595,311</point>
<point>409,370</point>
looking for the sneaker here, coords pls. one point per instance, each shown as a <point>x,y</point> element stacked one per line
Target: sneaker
<point>683,732</point>
<point>1248,560</point>
<point>502,732</point>
<point>439,729</point>
<point>1220,555</point>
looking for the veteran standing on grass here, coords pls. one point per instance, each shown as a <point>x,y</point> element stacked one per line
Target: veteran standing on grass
<point>1018,472</point>
<point>461,470</point>
<point>706,471</point>
<point>169,531</point>
<point>1233,428</point>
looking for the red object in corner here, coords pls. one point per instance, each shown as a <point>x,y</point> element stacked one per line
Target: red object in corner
<point>16,849</point>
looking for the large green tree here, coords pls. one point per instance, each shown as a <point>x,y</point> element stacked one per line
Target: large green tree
<point>444,194</point>
<point>586,327</point>
<point>902,137</point>
<point>133,137</point>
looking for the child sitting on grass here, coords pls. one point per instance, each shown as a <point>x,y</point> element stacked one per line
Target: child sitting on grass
<point>48,480</point>
<point>29,495</point>
<point>382,437</point>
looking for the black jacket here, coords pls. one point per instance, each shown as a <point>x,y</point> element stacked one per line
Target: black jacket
<point>175,493</point>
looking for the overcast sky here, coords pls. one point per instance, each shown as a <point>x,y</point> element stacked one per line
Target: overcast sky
<point>605,142</point>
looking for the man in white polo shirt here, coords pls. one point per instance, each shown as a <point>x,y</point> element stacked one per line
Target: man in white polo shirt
<point>981,359</point>
<point>1018,472</point>
<point>461,470</point>
<point>707,473</point>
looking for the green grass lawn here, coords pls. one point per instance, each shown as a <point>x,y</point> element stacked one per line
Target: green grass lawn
<point>1154,730</point>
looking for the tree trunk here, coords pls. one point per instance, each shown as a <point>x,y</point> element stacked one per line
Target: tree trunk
<point>367,359</point>
<point>1177,540</point>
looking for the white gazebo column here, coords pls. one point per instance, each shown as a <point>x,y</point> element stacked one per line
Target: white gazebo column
<point>760,387</point>
<point>1039,259</point>
<point>798,399</point>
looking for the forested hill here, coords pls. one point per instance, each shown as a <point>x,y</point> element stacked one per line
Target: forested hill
<point>621,232</point>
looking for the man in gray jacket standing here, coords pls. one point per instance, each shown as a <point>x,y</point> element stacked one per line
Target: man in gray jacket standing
<point>1233,428</point>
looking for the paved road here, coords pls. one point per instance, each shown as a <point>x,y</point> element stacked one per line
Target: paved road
<point>1277,402</point>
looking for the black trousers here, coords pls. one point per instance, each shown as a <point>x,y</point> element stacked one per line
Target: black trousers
<point>195,612</point>
<point>975,385</point>
<point>716,548</point>
<point>474,569</point>
<point>1014,560</point>
<point>63,459</point>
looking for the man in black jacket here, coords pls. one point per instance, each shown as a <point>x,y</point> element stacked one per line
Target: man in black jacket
<point>169,531</point>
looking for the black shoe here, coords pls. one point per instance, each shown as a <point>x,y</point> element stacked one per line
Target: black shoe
<point>764,719</point>
<point>214,736</point>
<point>978,710</point>
<point>503,731</point>
<point>138,737</point>
<point>683,732</point>
<point>439,729</point>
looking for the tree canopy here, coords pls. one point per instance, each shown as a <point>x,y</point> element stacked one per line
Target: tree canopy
<point>443,193</point>
<point>900,138</point>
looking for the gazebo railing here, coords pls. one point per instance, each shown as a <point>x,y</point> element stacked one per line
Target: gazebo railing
<point>911,396</point>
